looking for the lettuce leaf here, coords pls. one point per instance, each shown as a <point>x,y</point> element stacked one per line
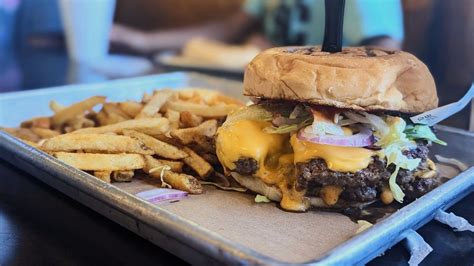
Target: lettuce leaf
<point>252,112</point>
<point>287,128</point>
<point>422,132</point>
<point>397,192</point>
<point>322,128</point>
<point>283,129</point>
<point>394,135</point>
<point>261,199</point>
<point>393,142</point>
<point>394,155</point>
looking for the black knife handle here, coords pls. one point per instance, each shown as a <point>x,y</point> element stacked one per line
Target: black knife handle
<point>333,25</point>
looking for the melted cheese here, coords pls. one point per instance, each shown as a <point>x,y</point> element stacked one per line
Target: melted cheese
<point>245,138</point>
<point>342,159</point>
<point>276,160</point>
<point>347,131</point>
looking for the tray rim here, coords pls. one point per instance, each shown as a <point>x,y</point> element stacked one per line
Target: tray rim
<point>166,222</point>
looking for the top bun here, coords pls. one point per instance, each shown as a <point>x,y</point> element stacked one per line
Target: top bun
<point>359,78</point>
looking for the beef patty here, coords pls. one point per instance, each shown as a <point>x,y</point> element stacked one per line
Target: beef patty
<point>363,185</point>
<point>246,166</point>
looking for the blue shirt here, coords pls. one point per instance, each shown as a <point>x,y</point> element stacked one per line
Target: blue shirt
<point>299,22</point>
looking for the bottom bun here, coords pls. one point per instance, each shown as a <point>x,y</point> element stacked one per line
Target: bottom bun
<point>258,186</point>
<point>274,193</point>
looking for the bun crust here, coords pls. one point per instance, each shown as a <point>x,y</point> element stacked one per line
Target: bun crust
<point>359,78</point>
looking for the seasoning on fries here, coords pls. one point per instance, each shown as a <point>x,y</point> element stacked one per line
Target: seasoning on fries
<point>161,148</point>
<point>151,126</point>
<point>171,175</point>
<point>102,162</point>
<point>168,136</point>
<point>76,109</point>
<point>95,143</point>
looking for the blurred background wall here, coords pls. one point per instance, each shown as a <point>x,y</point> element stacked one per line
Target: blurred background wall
<point>441,34</point>
<point>159,14</point>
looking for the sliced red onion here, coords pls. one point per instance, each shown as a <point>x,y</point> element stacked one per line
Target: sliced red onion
<point>162,194</point>
<point>362,139</point>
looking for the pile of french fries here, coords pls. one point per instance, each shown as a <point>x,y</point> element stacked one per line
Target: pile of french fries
<point>169,136</point>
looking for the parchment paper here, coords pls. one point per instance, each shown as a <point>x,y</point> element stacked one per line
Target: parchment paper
<point>289,237</point>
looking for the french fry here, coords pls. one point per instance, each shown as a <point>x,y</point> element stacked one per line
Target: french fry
<point>210,158</point>
<point>123,176</point>
<point>114,118</point>
<point>103,175</point>
<point>205,144</point>
<point>174,117</point>
<point>55,106</point>
<point>112,108</point>
<point>197,163</point>
<point>150,126</point>
<point>102,118</point>
<point>206,96</point>
<point>203,110</point>
<point>151,162</point>
<point>146,98</point>
<point>95,143</point>
<point>176,166</point>
<point>155,103</point>
<point>32,144</point>
<point>132,109</point>
<point>44,133</point>
<point>76,109</point>
<point>189,119</point>
<point>22,133</point>
<point>169,140</point>
<point>38,122</point>
<point>183,182</point>
<point>178,181</point>
<point>161,148</point>
<point>188,135</point>
<point>78,122</point>
<point>107,118</point>
<point>104,162</point>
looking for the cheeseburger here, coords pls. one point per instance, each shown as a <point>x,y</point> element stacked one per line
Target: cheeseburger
<point>331,129</point>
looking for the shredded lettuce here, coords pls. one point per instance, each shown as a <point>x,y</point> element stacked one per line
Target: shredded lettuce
<point>322,128</point>
<point>261,199</point>
<point>283,129</point>
<point>422,132</point>
<point>394,136</point>
<point>363,225</point>
<point>393,141</point>
<point>253,112</point>
<point>393,154</point>
<point>397,192</point>
<point>287,128</point>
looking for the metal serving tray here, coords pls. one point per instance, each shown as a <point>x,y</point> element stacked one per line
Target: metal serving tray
<point>182,235</point>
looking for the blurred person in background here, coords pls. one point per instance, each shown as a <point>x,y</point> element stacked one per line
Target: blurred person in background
<point>282,22</point>
<point>10,75</point>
